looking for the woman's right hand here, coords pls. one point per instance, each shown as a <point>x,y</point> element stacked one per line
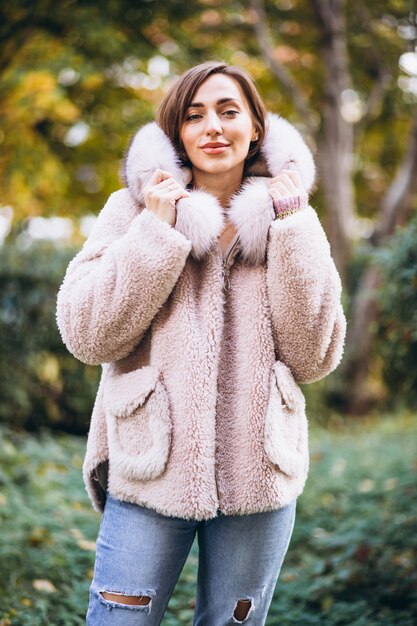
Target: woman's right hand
<point>161,194</point>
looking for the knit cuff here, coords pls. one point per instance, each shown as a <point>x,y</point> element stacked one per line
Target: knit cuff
<point>288,206</point>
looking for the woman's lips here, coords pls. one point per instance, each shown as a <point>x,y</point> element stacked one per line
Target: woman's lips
<point>215,148</point>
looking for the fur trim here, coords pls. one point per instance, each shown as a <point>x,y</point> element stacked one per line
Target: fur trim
<point>284,147</point>
<point>200,217</point>
<point>251,212</point>
<point>150,150</point>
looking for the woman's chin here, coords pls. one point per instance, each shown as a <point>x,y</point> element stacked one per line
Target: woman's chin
<point>217,167</point>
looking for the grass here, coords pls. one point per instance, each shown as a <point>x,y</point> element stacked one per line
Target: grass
<point>352,560</point>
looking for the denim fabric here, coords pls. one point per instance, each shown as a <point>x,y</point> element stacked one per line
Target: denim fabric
<point>140,552</point>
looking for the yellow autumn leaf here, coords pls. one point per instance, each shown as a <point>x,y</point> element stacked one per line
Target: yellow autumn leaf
<point>48,368</point>
<point>38,81</point>
<point>366,486</point>
<point>93,81</point>
<point>38,94</point>
<point>76,533</point>
<point>85,544</point>
<point>42,584</point>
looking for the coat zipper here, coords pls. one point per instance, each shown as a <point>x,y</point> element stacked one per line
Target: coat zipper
<point>226,264</point>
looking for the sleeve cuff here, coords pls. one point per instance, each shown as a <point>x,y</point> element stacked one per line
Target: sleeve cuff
<point>287,206</point>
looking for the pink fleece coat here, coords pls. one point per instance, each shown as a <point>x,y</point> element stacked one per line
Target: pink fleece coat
<point>198,408</point>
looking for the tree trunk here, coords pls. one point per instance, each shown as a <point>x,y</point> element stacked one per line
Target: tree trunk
<point>355,367</point>
<point>335,161</point>
<point>395,208</point>
<point>336,143</point>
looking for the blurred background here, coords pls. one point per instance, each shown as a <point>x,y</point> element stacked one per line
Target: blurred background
<point>77,78</point>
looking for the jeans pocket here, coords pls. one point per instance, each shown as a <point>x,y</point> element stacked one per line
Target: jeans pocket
<point>138,422</point>
<point>286,429</point>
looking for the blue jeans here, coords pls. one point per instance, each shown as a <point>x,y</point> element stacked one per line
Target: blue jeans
<point>142,553</point>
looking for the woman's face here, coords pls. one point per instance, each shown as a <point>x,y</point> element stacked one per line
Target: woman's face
<point>218,127</point>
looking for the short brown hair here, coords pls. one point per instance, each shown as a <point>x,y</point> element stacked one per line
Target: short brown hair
<point>173,109</point>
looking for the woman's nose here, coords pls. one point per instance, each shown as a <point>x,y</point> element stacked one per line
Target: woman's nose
<point>213,126</point>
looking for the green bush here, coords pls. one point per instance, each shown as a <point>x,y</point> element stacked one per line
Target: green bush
<point>397,323</point>
<point>351,561</point>
<point>41,384</point>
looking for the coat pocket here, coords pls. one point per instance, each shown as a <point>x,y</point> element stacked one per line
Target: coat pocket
<point>138,422</point>
<point>285,432</point>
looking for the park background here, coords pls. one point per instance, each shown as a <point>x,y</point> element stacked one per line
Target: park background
<point>77,78</point>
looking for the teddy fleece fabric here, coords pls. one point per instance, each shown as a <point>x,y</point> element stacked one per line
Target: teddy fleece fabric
<point>199,409</point>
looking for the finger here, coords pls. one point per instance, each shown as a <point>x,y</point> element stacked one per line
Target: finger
<point>289,183</point>
<point>166,183</point>
<point>153,180</point>
<point>158,190</point>
<point>296,178</point>
<point>293,174</point>
<point>159,176</point>
<point>174,194</point>
<point>281,188</point>
<point>184,194</point>
<point>275,193</point>
<point>172,185</point>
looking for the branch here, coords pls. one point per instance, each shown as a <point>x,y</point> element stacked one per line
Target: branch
<point>327,16</point>
<point>384,79</point>
<point>376,96</point>
<point>266,45</point>
<point>16,31</point>
<point>332,21</point>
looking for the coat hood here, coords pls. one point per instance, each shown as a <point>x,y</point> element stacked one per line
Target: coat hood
<point>200,217</point>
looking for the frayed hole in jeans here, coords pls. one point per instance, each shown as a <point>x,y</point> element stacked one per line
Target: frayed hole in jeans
<point>124,599</point>
<point>242,609</point>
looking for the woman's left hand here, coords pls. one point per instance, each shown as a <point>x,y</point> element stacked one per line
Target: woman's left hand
<point>286,185</point>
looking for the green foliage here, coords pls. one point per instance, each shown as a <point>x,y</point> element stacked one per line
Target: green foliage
<point>87,63</point>
<point>47,531</point>
<point>41,384</point>
<point>351,561</point>
<point>397,322</point>
<point>353,552</point>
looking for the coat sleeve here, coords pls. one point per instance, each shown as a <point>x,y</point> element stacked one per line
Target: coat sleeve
<point>119,280</point>
<point>304,291</point>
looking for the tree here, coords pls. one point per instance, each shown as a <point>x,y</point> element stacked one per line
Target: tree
<point>96,70</point>
<point>344,122</point>
<point>74,85</point>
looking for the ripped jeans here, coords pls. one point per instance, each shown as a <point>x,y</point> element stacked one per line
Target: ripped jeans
<point>140,555</point>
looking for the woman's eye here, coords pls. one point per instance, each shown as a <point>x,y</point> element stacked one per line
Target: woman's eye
<point>193,117</point>
<point>230,113</point>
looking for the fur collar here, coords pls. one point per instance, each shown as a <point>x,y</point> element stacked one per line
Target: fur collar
<point>200,217</point>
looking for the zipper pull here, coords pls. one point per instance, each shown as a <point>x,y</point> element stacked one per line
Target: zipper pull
<point>227,262</point>
<point>225,278</point>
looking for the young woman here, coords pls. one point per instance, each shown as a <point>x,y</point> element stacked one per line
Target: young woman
<point>207,292</point>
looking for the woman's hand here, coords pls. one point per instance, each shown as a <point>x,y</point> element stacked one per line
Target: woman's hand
<point>288,193</point>
<point>161,194</point>
<point>286,185</point>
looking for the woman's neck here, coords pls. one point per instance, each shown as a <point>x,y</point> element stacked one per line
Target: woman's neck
<point>222,186</point>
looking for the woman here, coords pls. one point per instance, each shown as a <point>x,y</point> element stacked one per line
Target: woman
<point>207,291</point>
